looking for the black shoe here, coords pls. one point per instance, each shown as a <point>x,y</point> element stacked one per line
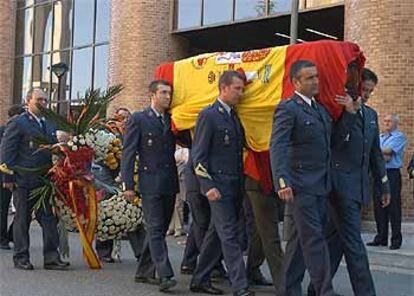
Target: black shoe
<point>167,283</point>
<point>5,246</point>
<point>206,289</point>
<point>376,244</point>
<point>187,270</point>
<point>146,280</point>
<point>107,259</point>
<point>56,265</point>
<point>259,280</point>
<point>25,265</point>
<point>395,247</point>
<point>244,292</point>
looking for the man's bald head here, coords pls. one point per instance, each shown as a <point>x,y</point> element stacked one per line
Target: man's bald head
<point>34,97</point>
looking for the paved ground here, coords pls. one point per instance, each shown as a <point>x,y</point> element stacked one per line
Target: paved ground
<point>117,279</point>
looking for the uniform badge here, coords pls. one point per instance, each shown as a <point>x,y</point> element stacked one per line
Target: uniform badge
<point>347,138</point>
<point>31,145</point>
<point>221,110</point>
<point>282,183</point>
<point>226,140</point>
<point>384,179</point>
<point>149,143</point>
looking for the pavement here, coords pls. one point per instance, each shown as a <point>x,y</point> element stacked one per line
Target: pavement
<point>393,277</point>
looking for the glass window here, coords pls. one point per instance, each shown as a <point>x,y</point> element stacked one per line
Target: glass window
<point>101,67</point>
<point>43,28</point>
<point>84,18</point>
<point>54,31</point>
<point>102,20</point>
<point>188,13</point>
<point>61,57</point>
<point>279,6</point>
<point>217,11</point>
<point>81,72</point>
<point>24,31</point>
<point>62,30</point>
<point>250,8</point>
<point>41,72</point>
<point>23,78</point>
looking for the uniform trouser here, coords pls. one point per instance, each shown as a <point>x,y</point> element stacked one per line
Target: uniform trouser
<point>158,210</point>
<point>265,242</point>
<point>21,225</point>
<point>223,230</point>
<point>104,248</point>
<point>343,233</point>
<point>307,247</point>
<point>5,198</point>
<point>392,213</point>
<point>136,240</point>
<point>200,210</point>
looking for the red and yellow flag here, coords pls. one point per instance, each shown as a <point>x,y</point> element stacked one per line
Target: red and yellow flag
<point>195,84</point>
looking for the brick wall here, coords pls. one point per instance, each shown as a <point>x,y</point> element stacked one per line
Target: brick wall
<point>7,20</point>
<point>140,40</point>
<point>384,30</point>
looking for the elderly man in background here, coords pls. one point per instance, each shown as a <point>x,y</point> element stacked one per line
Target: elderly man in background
<point>392,142</point>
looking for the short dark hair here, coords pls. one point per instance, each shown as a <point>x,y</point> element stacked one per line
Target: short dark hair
<point>297,66</point>
<point>153,86</point>
<point>367,75</point>
<point>122,109</point>
<point>227,77</point>
<point>16,109</point>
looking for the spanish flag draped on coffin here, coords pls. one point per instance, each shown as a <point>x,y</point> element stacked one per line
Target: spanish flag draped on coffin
<point>195,86</point>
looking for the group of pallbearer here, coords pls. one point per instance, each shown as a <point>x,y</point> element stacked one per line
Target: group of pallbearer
<point>321,172</point>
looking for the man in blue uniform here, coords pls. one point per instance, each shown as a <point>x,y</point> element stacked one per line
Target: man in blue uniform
<point>300,158</point>
<point>355,152</point>
<point>5,195</point>
<point>18,150</point>
<point>218,164</point>
<point>149,136</point>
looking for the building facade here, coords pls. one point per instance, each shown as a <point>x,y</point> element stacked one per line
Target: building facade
<point>107,42</point>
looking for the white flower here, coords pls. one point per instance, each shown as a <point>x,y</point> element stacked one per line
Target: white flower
<point>74,148</point>
<point>70,143</point>
<point>74,139</point>
<point>82,142</point>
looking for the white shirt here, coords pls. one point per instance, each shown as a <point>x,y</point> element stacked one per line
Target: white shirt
<point>225,106</point>
<point>305,98</point>
<point>181,155</point>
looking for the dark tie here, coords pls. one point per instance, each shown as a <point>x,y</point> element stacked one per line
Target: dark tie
<point>42,125</point>
<point>161,119</point>
<point>314,106</point>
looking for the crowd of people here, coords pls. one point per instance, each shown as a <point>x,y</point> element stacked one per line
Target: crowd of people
<point>322,172</point>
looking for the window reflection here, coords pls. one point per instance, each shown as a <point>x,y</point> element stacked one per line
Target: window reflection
<point>84,13</point>
<point>62,30</point>
<point>22,78</point>
<point>62,56</point>
<point>188,13</point>
<point>41,72</point>
<point>217,11</point>
<point>279,6</point>
<point>102,20</point>
<point>101,67</point>
<point>43,28</point>
<point>24,31</point>
<point>69,25</point>
<point>81,72</point>
<point>250,8</point>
